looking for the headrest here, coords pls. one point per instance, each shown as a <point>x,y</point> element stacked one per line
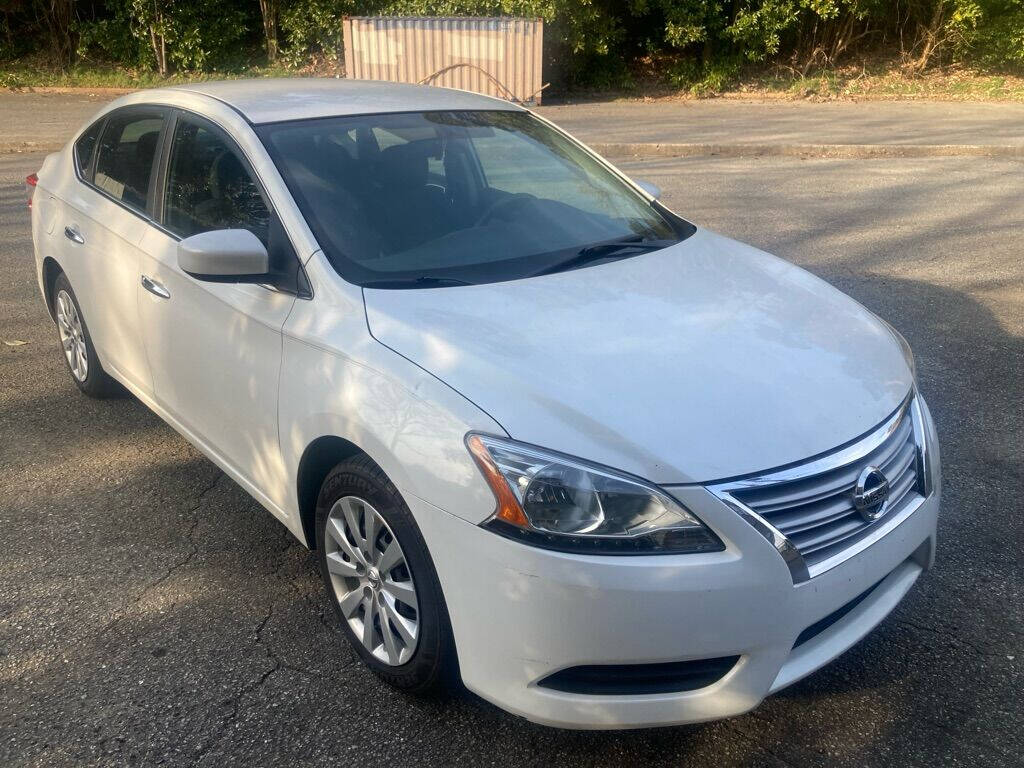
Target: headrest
<point>227,174</point>
<point>145,147</point>
<point>405,165</point>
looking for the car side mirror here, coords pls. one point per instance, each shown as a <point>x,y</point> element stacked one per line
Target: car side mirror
<point>224,255</point>
<point>651,189</point>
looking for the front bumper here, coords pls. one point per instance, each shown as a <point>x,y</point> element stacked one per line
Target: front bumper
<point>520,614</point>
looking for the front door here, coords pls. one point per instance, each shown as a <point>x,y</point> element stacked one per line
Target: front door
<point>214,348</point>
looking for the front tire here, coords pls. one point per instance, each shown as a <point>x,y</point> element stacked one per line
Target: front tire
<point>76,343</point>
<point>381,580</point>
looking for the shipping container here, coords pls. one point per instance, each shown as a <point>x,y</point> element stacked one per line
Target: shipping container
<point>495,56</point>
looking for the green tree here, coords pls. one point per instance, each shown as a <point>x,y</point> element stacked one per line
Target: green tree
<point>167,35</point>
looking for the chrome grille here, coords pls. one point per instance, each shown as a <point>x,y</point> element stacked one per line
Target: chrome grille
<point>812,505</point>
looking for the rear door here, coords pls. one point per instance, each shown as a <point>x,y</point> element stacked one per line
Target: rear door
<point>103,218</point>
<point>215,347</point>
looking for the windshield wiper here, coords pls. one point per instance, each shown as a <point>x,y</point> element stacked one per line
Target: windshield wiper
<point>426,281</point>
<point>604,251</point>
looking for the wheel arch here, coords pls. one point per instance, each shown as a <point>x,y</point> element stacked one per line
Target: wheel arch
<point>318,459</point>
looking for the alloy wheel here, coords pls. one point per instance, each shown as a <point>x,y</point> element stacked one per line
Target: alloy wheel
<point>372,580</point>
<point>72,336</point>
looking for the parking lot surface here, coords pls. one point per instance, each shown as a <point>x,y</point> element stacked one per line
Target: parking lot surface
<point>152,613</point>
<point>719,121</point>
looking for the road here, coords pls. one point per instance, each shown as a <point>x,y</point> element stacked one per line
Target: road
<point>150,612</point>
<point>794,122</point>
<point>43,121</point>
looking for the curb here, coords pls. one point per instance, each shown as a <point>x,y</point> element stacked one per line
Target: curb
<point>850,151</point>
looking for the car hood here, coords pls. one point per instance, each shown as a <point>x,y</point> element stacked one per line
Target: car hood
<point>705,360</point>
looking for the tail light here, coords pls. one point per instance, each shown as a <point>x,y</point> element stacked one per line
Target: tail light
<point>30,186</point>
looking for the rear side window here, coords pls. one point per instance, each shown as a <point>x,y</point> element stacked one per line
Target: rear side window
<point>83,149</point>
<point>124,163</point>
<point>209,186</point>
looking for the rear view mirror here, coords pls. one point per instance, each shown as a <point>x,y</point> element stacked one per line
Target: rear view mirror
<point>651,189</point>
<point>224,255</point>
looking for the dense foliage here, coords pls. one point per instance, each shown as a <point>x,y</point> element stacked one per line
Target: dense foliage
<point>592,42</point>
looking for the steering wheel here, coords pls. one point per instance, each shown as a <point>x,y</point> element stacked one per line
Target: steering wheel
<point>501,204</point>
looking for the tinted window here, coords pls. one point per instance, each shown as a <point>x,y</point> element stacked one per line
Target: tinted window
<point>124,164</point>
<point>209,186</point>
<point>410,199</point>
<point>84,147</point>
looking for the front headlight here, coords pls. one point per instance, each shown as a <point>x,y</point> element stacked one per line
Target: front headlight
<point>561,503</point>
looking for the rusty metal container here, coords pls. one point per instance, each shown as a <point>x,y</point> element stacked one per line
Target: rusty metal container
<point>495,56</point>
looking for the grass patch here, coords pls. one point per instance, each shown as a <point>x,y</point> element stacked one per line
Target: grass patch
<point>29,74</point>
<point>884,80</point>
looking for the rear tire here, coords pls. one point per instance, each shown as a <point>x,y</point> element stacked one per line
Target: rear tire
<point>381,580</point>
<point>76,343</point>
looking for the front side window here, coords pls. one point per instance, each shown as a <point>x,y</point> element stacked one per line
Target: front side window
<point>124,163</point>
<point>84,147</point>
<point>209,186</point>
<point>414,199</point>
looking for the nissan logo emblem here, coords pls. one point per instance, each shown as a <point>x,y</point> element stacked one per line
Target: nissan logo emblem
<point>871,493</point>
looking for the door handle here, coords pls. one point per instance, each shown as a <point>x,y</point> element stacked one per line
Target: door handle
<point>155,288</point>
<point>73,235</point>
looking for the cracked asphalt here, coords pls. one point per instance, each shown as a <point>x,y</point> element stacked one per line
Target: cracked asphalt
<point>151,613</point>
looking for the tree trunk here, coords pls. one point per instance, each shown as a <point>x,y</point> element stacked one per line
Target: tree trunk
<point>933,38</point>
<point>157,41</point>
<point>159,45</point>
<point>269,10</point>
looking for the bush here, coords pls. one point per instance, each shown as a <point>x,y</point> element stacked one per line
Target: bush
<point>989,32</point>
<point>194,36</point>
<point>704,79</point>
<point>313,27</point>
<point>595,43</point>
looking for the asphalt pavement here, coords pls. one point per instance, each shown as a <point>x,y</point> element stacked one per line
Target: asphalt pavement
<point>42,120</point>
<point>152,613</point>
<point>743,121</point>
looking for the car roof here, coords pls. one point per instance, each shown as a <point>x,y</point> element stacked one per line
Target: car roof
<point>274,100</point>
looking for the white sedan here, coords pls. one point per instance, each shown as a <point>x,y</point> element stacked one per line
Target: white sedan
<point>548,438</point>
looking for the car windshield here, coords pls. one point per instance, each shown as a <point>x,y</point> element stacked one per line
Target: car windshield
<point>446,198</point>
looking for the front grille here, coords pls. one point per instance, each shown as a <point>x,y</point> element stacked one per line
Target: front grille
<point>816,511</point>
